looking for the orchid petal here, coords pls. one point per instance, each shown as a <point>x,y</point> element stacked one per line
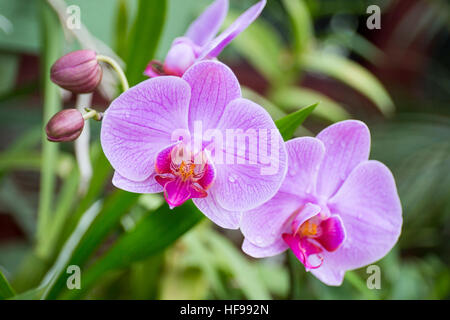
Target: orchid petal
<point>140,122</point>
<point>305,155</point>
<point>248,175</point>
<point>265,224</point>
<point>347,143</point>
<point>216,213</point>
<point>213,85</point>
<point>206,26</point>
<point>261,252</point>
<point>149,185</point>
<point>213,48</point>
<point>370,209</point>
<point>328,273</point>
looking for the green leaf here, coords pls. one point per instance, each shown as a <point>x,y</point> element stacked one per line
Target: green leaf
<point>144,37</point>
<point>245,273</point>
<point>121,28</point>
<point>150,236</point>
<point>353,75</point>
<point>6,291</point>
<point>301,24</point>
<point>91,231</point>
<point>290,98</point>
<point>51,50</point>
<point>102,170</point>
<point>291,122</point>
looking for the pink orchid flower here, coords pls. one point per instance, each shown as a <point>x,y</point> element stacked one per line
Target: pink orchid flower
<point>336,210</point>
<point>141,133</point>
<point>199,42</point>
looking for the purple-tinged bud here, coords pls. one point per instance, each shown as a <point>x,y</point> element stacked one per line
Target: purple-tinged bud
<point>66,125</point>
<point>77,71</point>
<point>180,57</point>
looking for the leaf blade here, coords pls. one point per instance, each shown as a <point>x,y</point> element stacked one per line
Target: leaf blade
<point>291,122</point>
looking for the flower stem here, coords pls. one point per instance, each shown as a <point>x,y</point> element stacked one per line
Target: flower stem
<point>117,68</point>
<point>89,115</point>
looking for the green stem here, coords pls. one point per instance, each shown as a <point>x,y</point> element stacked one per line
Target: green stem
<point>90,114</point>
<point>117,68</point>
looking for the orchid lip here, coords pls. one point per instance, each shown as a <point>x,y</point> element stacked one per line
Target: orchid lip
<point>313,234</point>
<point>183,174</point>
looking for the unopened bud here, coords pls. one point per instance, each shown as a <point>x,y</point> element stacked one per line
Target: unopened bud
<point>66,125</point>
<point>77,71</point>
<point>180,57</point>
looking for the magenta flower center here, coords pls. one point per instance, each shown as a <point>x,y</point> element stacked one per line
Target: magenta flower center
<point>310,238</point>
<point>183,174</point>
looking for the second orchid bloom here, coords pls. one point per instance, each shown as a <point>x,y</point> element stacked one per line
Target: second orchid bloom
<point>200,41</point>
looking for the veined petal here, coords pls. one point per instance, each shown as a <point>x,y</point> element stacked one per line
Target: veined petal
<point>254,157</point>
<point>213,48</point>
<point>206,26</point>
<point>305,155</point>
<point>149,185</point>
<point>140,122</point>
<point>370,209</point>
<point>261,252</point>
<point>328,273</point>
<point>214,86</point>
<point>265,224</point>
<point>347,143</point>
<point>216,213</point>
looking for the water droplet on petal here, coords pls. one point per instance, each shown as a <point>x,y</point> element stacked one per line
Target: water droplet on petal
<point>259,240</point>
<point>232,178</point>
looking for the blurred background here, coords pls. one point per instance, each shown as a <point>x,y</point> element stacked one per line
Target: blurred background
<point>57,204</point>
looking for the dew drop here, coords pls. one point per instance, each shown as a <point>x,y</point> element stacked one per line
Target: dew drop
<point>259,240</point>
<point>232,178</point>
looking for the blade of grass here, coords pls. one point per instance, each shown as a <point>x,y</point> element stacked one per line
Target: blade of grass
<point>301,24</point>
<point>6,291</point>
<point>144,37</point>
<point>353,75</point>
<point>51,51</point>
<point>290,98</point>
<point>82,244</point>
<point>151,235</point>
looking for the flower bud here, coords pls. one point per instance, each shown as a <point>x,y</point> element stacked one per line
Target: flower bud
<point>66,125</point>
<point>179,58</point>
<point>77,71</point>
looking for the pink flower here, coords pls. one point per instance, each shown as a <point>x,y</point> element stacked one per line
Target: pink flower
<point>336,210</point>
<point>199,42</point>
<point>166,134</point>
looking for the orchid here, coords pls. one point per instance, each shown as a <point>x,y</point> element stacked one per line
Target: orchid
<point>199,42</point>
<point>167,134</point>
<point>336,210</point>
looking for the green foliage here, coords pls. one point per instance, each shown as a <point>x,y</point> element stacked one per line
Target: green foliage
<point>6,291</point>
<point>144,37</point>
<point>291,122</point>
